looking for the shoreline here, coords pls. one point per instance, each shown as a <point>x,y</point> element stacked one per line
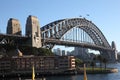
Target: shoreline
<point>101,71</point>
<point>76,72</point>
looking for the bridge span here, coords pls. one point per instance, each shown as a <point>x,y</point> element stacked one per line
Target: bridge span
<point>77,32</point>
<point>71,32</point>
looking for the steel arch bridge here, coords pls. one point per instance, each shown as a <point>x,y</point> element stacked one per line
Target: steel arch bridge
<point>57,29</point>
<point>53,32</point>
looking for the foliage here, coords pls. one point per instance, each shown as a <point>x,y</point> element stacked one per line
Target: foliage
<point>44,52</point>
<point>95,69</point>
<point>93,65</point>
<point>99,57</point>
<point>105,61</point>
<point>41,51</point>
<point>29,50</point>
<point>78,61</point>
<point>8,47</point>
<point>102,60</point>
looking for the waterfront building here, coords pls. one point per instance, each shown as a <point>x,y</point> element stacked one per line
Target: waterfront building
<point>5,65</point>
<point>42,64</point>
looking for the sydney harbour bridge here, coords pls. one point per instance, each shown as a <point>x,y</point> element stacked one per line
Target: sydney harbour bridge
<point>75,32</point>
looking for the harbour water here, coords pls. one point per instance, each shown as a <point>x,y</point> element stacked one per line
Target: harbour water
<point>109,76</point>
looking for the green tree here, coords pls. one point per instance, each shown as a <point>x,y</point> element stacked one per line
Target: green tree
<point>94,58</point>
<point>36,51</point>
<point>105,62</point>
<point>93,65</point>
<point>78,62</point>
<point>99,57</point>
<point>44,52</point>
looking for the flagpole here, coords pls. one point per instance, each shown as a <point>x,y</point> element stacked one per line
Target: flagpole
<point>33,73</point>
<point>85,75</point>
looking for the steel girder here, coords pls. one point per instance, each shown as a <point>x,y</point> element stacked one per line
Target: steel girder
<point>57,29</point>
<point>12,39</point>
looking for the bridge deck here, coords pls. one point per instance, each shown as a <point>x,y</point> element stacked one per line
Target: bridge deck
<point>85,45</point>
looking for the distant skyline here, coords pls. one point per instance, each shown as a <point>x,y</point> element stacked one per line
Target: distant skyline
<point>105,14</point>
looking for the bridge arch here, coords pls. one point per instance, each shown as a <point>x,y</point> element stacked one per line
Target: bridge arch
<point>56,29</point>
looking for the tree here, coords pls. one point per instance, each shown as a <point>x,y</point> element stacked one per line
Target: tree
<point>78,62</point>
<point>99,57</point>
<point>105,61</point>
<point>44,52</point>
<point>93,65</point>
<point>36,51</point>
<point>94,59</point>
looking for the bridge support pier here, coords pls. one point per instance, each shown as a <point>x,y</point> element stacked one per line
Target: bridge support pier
<point>111,56</point>
<point>114,56</point>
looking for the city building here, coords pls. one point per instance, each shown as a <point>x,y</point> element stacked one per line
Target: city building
<point>5,65</point>
<point>63,52</point>
<point>82,53</point>
<point>42,64</point>
<point>59,52</point>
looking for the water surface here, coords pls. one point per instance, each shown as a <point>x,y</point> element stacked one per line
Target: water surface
<point>109,76</point>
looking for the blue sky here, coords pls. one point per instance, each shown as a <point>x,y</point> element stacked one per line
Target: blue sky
<point>105,14</point>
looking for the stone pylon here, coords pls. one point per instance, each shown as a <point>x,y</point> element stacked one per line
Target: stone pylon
<point>13,27</point>
<point>33,31</point>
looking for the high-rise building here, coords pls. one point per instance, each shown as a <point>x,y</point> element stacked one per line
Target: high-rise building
<point>59,52</point>
<point>63,52</point>
<point>82,52</point>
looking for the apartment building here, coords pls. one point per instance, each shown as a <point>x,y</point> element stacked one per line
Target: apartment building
<point>42,64</point>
